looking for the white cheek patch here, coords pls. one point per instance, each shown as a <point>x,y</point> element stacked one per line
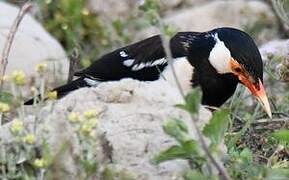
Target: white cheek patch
<point>220,56</point>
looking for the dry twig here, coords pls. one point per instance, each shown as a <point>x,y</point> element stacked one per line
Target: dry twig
<point>7,47</point>
<point>72,64</point>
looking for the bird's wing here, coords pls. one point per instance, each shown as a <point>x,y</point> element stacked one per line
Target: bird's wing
<point>143,60</point>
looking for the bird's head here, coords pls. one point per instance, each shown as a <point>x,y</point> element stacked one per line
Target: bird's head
<point>235,53</point>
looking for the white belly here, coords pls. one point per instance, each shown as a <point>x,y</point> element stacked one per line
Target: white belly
<point>184,72</point>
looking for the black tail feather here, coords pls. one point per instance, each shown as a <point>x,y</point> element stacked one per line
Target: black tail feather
<point>64,90</point>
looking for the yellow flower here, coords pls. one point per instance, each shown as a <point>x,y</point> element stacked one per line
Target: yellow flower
<point>33,91</point>
<point>90,114</point>
<point>41,68</point>
<point>92,134</point>
<point>4,108</point>
<point>85,11</point>
<point>40,163</point>
<point>18,78</point>
<point>74,117</point>
<point>52,95</point>
<point>5,78</point>
<point>92,122</point>
<point>48,1</point>
<point>17,126</point>
<point>29,139</point>
<point>86,129</point>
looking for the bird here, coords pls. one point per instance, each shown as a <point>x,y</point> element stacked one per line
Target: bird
<point>215,60</point>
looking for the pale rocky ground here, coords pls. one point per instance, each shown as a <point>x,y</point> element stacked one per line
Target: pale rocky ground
<point>131,112</point>
<point>131,117</point>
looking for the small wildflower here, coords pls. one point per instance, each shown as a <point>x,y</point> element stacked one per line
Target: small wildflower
<point>29,139</point>
<point>74,117</point>
<point>48,1</point>
<point>52,95</point>
<point>41,68</point>
<point>85,11</point>
<point>92,122</point>
<point>5,78</point>
<point>4,108</point>
<point>92,134</point>
<point>86,129</point>
<point>40,163</point>
<point>64,26</point>
<point>90,114</point>
<point>17,126</point>
<point>33,91</point>
<point>18,78</point>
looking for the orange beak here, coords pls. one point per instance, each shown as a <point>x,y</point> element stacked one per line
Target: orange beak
<point>258,91</point>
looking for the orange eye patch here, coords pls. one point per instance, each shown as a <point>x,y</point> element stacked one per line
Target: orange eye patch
<point>236,67</point>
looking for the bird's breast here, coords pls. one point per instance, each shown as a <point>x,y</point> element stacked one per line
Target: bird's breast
<point>184,72</point>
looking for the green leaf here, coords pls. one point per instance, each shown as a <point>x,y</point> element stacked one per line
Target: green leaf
<point>246,156</point>
<point>185,151</point>
<point>90,166</point>
<point>193,101</point>
<point>194,175</point>
<point>6,97</point>
<point>217,126</point>
<point>180,124</point>
<point>150,5</point>
<point>108,174</point>
<point>177,129</point>
<point>282,135</point>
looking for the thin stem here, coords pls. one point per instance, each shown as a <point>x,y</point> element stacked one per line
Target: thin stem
<point>1,116</point>
<point>7,47</point>
<point>223,173</point>
<point>42,88</point>
<point>72,64</point>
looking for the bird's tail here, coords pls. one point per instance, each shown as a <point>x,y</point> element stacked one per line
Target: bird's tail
<point>63,90</point>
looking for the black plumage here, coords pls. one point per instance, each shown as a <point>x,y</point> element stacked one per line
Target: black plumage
<point>145,60</point>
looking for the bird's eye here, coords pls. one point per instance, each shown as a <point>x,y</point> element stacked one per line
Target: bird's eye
<point>238,70</point>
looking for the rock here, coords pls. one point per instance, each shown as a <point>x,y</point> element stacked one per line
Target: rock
<point>31,46</point>
<point>170,4</point>
<point>275,57</point>
<point>278,47</point>
<point>131,119</point>
<point>113,10</point>
<point>131,116</point>
<point>254,17</point>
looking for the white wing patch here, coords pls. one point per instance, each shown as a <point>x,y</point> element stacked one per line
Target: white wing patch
<point>136,67</point>
<point>158,62</point>
<point>91,82</point>
<point>220,56</point>
<point>123,54</point>
<point>128,62</point>
<point>142,65</point>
